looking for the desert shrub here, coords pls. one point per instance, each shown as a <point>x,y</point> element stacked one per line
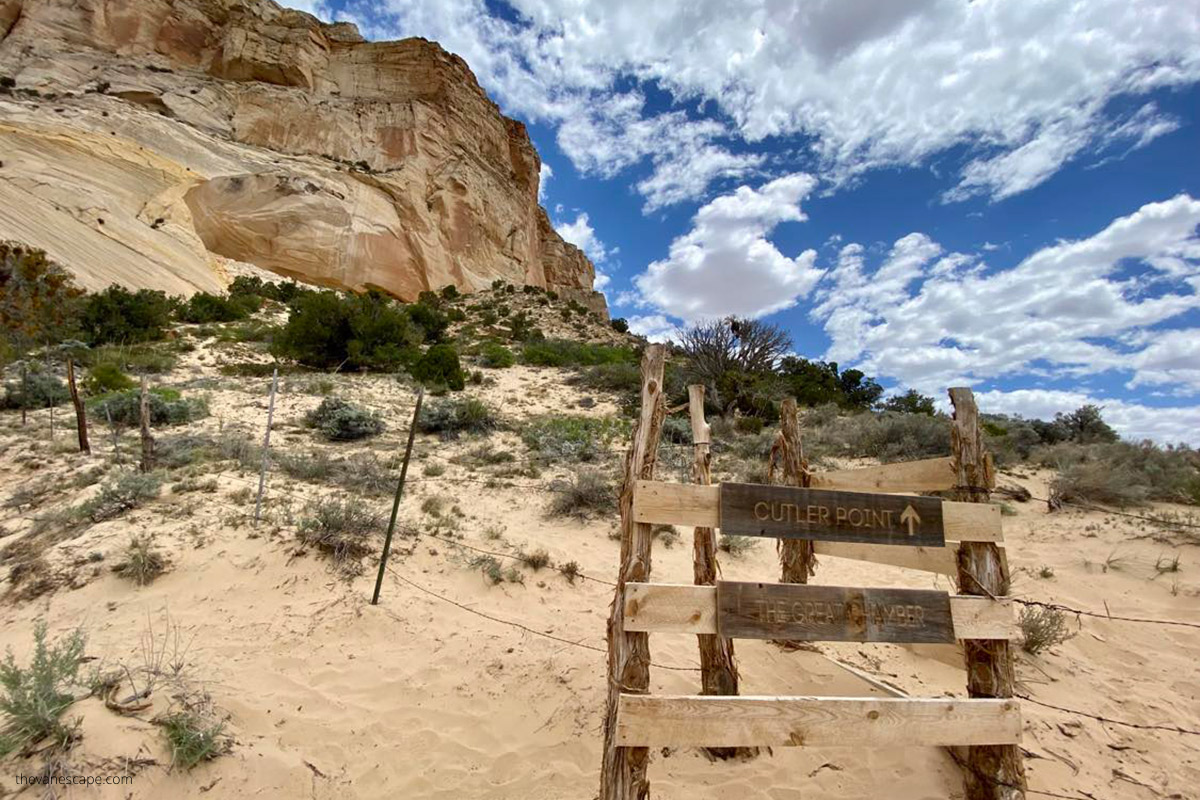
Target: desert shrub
<point>327,329</point>
<point>569,353</point>
<point>571,570</point>
<point>34,698</point>
<point>888,436</point>
<point>142,562</point>
<point>119,316</point>
<point>537,560</point>
<point>737,546</point>
<point>279,291</point>
<point>496,355</point>
<point>440,366</point>
<point>203,307</point>
<point>167,407</point>
<point>193,738</point>
<point>522,329</point>
<point>1122,473</point>
<point>619,324</point>
<point>450,292</point>
<point>451,417</point>
<point>146,358</point>
<point>585,493</point>
<point>572,438</point>
<point>1042,628</point>
<point>40,301</point>
<point>340,420</point>
<point>623,377</point>
<point>429,319</point>
<point>749,425</point>
<point>911,402</point>
<point>677,430</point>
<point>107,377</point>
<point>118,495</point>
<point>342,530</point>
<point>37,390</point>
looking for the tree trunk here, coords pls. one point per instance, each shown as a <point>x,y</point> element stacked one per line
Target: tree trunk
<point>992,772</point>
<point>147,439</point>
<point>796,557</point>
<point>80,415</point>
<point>623,772</point>
<point>718,671</point>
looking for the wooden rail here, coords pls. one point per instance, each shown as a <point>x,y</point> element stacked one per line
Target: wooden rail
<point>682,608</point>
<point>699,720</point>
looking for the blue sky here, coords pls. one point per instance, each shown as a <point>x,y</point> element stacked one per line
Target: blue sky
<point>1003,193</point>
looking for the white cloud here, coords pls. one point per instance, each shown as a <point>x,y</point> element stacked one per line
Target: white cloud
<point>1027,86</point>
<point>1132,420</point>
<point>654,327</point>
<point>1071,309</point>
<point>544,176</point>
<point>726,265</point>
<point>581,234</point>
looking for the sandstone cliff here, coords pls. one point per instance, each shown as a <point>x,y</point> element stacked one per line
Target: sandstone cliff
<point>167,143</point>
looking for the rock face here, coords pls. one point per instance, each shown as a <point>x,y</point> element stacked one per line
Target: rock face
<point>166,143</point>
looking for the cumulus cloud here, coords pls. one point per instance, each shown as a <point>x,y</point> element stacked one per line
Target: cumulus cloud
<point>581,234</point>
<point>726,265</point>
<point>544,176</point>
<point>1027,88</point>
<point>655,327</point>
<point>1075,308</point>
<point>1168,425</point>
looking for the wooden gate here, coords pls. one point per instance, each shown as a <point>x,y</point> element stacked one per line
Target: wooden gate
<point>854,514</point>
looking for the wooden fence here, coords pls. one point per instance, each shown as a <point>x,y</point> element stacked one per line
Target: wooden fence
<point>857,514</point>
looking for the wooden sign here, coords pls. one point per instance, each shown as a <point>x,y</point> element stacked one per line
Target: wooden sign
<point>832,613</point>
<point>786,512</point>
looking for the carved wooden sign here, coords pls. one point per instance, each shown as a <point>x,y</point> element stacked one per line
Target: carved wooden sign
<point>786,512</point>
<point>832,613</point>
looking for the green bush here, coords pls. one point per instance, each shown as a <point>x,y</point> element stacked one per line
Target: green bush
<point>37,390</point>
<point>568,353</point>
<point>39,300</point>
<point>107,377</point>
<point>119,316</point>
<point>279,291</point>
<point>911,402</point>
<point>148,358</point>
<point>449,418</point>
<point>586,493</point>
<point>1122,473</point>
<point>127,491</point>
<point>497,356</point>
<point>440,365</point>
<point>619,324</point>
<point>193,739</point>
<point>167,407</point>
<point>450,292</point>
<point>327,329</point>
<point>572,438</point>
<point>203,307</point>
<point>341,421</point>
<point>34,698</point>
<point>429,319</point>
<point>342,530</point>
<point>888,436</point>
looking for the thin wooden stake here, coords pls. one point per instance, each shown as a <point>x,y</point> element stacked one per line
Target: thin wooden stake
<point>992,772</point>
<point>796,556</point>
<point>24,391</point>
<point>147,439</point>
<point>387,542</point>
<point>115,436</point>
<point>80,414</point>
<point>718,670</point>
<point>623,770</point>
<point>266,456</point>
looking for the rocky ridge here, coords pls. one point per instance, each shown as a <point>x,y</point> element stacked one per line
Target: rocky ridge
<point>173,143</point>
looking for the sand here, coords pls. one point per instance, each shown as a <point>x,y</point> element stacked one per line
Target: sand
<point>327,696</point>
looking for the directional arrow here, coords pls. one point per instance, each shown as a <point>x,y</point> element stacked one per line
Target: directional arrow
<point>910,517</point>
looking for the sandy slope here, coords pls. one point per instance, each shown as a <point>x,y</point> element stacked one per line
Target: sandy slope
<point>328,696</point>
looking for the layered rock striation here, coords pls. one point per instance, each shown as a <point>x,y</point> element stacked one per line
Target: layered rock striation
<point>166,143</point>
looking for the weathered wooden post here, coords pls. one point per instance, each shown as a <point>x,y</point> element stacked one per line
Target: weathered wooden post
<point>266,455</point>
<point>797,558</point>
<point>147,440</point>
<point>24,393</point>
<point>387,541</point>
<point>80,415</point>
<point>992,772</point>
<point>718,671</point>
<point>623,771</point>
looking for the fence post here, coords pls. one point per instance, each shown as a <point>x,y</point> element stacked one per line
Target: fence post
<point>718,670</point>
<point>80,414</point>
<point>623,771</point>
<point>147,439</point>
<point>992,772</point>
<point>797,558</point>
<point>387,541</point>
<point>262,473</point>
<point>24,392</point>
